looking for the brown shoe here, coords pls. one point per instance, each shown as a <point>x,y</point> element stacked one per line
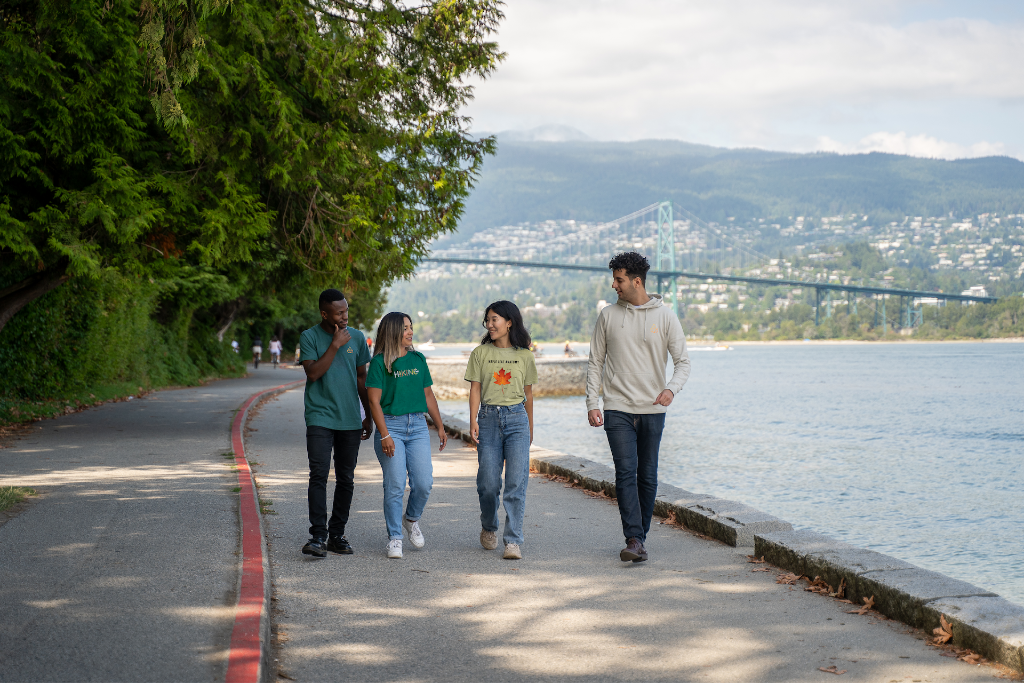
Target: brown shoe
<point>633,552</point>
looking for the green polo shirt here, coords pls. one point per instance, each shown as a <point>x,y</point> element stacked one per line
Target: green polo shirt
<point>333,400</point>
<point>401,390</point>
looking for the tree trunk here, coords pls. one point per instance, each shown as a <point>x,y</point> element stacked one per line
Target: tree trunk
<point>15,297</point>
<point>227,318</point>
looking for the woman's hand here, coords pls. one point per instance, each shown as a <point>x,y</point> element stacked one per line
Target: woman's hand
<point>474,431</point>
<point>388,446</point>
<point>442,437</point>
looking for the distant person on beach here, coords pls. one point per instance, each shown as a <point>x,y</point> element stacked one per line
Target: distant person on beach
<point>398,385</point>
<point>501,373</point>
<point>628,356</point>
<point>334,357</point>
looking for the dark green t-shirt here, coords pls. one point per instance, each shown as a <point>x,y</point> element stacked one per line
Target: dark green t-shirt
<point>401,390</point>
<point>333,400</point>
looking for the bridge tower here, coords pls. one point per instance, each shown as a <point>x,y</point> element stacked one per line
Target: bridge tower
<point>666,257</point>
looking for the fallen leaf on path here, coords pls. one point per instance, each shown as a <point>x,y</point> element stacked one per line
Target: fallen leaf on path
<point>973,658</point>
<point>832,670</point>
<point>761,569</point>
<point>839,591</point>
<point>752,559</point>
<point>869,603</point>
<point>285,676</point>
<point>819,586</point>
<point>943,633</point>
<point>788,579</point>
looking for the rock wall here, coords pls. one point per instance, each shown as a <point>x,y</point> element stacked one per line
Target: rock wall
<point>555,377</point>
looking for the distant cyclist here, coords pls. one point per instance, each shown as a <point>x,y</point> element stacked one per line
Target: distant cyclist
<point>275,351</point>
<point>257,352</point>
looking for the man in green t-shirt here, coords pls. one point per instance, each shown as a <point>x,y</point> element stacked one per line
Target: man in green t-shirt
<point>334,357</point>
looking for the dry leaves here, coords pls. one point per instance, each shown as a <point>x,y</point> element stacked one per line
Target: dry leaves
<point>841,591</point>
<point>869,604</point>
<point>752,559</point>
<point>943,633</point>
<point>761,569</point>
<point>819,586</point>
<point>789,579</point>
<point>832,670</point>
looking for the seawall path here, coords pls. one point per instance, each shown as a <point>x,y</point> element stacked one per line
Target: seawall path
<point>570,610</point>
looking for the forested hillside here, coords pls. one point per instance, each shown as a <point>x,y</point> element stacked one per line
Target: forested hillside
<point>597,181</point>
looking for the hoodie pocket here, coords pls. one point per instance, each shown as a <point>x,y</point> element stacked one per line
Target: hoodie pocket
<point>638,388</point>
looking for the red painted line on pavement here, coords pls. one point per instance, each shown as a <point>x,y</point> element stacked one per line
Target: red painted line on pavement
<point>246,637</point>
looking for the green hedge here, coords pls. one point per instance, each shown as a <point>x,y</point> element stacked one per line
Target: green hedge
<point>94,339</point>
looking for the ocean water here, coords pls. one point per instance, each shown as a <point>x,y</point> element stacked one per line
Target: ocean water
<point>914,450</point>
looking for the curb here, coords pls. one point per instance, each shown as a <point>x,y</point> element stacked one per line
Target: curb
<point>980,620</point>
<point>247,652</point>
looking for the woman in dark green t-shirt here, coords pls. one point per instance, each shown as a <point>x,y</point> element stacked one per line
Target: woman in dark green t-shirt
<point>398,383</point>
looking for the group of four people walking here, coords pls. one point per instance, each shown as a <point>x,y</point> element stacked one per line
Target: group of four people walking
<point>629,351</point>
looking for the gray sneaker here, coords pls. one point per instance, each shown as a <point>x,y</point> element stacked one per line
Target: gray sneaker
<point>414,532</point>
<point>512,552</point>
<point>488,539</point>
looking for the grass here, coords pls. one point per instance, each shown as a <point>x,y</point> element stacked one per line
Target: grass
<point>10,495</point>
<point>13,411</point>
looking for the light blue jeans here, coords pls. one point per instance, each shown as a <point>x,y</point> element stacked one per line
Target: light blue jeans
<point>504,444</point>
<point>412,457</point>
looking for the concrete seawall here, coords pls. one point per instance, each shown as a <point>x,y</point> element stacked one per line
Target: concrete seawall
<point>979,619</point>
<point>555,377</point>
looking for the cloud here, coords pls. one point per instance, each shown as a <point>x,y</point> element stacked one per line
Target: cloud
<point>742,72</point>
<point>912,145</point>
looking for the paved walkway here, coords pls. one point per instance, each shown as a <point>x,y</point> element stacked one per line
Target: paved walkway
<point>126,567</point>
<point>569,611</point>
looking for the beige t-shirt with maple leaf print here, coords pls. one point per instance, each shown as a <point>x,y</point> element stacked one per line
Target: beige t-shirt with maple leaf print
<point>503,374</point>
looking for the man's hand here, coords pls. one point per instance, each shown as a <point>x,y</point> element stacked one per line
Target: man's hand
<point>596,420</point>
<point>341,337</point>
<point>664,398</point>
<point>367,428</point>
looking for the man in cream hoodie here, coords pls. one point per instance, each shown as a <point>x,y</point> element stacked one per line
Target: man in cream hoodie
<point>629,352</point>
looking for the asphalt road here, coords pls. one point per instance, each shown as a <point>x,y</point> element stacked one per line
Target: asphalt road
<point>126,567</point>
<point>570,610</point>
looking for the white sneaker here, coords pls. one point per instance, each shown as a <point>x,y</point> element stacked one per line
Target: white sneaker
<point>415,535</point>
<point>512,552</point>
<point>395,549</point>
<point>488,539</point>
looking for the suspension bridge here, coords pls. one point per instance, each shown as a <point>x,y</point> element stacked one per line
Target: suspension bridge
<point>682,246</point>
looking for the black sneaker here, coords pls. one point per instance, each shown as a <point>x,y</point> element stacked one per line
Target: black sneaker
<point>340,545</point>
<point>315,547</point>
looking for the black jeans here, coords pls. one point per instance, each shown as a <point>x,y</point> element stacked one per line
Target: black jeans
<point>635,440</point>
<point>320,441</point>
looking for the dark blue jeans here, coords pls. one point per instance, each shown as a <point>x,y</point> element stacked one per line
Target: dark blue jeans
<point>320,441</point>
<point>635,440</point>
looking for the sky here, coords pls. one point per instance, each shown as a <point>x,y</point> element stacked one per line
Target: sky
<point>929,78</point>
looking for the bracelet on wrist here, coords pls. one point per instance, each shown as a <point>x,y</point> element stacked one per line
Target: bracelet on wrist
<point>386,436</point>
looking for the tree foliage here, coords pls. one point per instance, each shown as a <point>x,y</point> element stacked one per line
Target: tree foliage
<point>234,155</point>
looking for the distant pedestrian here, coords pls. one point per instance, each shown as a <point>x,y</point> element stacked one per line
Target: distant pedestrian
<point>234,345</point>
<point>275,351</point>
<point>398,385</point>
<point>502,372</point>
<point>628,356</point>
<point>334,357</point>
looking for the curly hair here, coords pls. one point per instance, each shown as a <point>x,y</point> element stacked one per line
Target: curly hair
<point>635,265</point>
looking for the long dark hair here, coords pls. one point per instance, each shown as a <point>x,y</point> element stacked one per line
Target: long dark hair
<point>517,334</point>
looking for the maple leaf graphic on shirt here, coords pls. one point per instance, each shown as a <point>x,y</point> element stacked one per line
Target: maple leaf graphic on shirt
<point>501,378</point>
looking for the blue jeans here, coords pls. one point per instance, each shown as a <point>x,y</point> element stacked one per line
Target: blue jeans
<point>412,456</point>
<point>504,444</point>
<point>635,440</point>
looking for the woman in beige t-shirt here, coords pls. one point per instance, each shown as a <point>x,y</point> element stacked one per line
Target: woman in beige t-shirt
<point>502,373</point>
